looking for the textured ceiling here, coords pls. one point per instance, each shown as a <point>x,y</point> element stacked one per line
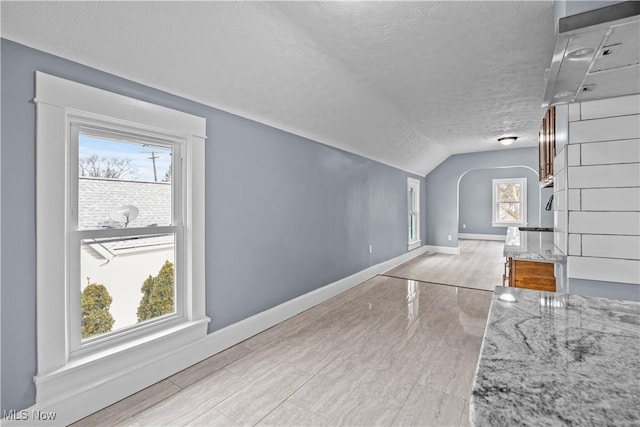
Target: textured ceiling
<point>404,83</point>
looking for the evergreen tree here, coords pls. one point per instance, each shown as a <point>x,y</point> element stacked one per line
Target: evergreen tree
<point>143,307</point>
<point>157,294</point>
<point>96,318</point>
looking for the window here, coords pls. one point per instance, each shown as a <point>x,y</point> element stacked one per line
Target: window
<point>413,200</point>
<point>120,226</point>
<point>509,202</point>
<point>124,274</point>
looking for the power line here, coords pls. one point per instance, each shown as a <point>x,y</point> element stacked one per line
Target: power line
<point>153,159</point>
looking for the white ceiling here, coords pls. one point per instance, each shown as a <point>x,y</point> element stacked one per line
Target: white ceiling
<point>404,83</point>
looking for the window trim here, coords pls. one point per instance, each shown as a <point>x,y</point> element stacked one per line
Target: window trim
<point>414,184</point>
<point>494,202</point>
<point>57,102</point>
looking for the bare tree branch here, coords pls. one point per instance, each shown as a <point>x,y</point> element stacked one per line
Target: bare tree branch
<point>107,167</point>
<point>167,175</point>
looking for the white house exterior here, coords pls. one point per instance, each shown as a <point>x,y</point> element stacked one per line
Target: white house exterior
<point>122,266</point>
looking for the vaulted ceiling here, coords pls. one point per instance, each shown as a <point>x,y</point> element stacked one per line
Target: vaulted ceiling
<point>404,83</point>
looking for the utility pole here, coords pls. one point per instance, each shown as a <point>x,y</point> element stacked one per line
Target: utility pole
<point>153,159</point>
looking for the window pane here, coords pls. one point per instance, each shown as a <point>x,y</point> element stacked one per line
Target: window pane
<point>509,212</point>
<point>412,227</point>
<point>122,184</point>
<point>411,199</point>
<point>509,192</point>
<point>125,281</point>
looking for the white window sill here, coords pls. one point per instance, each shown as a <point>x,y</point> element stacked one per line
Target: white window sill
<point>84,372</point>
<point>415,244</point>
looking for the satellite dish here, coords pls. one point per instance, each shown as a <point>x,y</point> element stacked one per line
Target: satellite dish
<point>124,213</point>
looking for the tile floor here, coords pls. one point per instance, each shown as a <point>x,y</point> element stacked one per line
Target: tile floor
<point>387,352</point>
<point>479,265</point>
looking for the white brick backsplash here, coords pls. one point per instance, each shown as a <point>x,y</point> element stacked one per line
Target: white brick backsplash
<point>602,182</point>
<point>604,269</point>
<point>609,199</point>
<point>560,181</point>
<point>575,244</point>
<point>559,201</point>
<point>625,247</point>
<point>559,220</point>
<point>626,223</point>
<point>600,153</point>
<point>574,112</point>
<point>574,200</point>
<point>559,240</point>
<point>559,162</point>
<point>573,155</point>
<point>620,175</point>
<point>609,129</point>
<point>620,106</point>
<point>560,230</point>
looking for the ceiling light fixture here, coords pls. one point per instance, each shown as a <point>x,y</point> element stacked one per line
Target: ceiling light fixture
<point>563,94</point>
<point>507,140</point>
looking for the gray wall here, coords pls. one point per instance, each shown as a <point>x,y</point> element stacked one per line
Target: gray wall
<point>476,200</point>
<point>284,215</point>
<point>598,288</point>
<point>442,187</point>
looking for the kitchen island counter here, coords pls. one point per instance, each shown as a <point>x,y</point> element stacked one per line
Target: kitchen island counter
<point>531,245</point>
<point>558,359</point>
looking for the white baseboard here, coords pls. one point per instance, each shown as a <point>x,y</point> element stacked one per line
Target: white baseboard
<point>496,237</point>
<point>443,249</point>
<point>73,407</point>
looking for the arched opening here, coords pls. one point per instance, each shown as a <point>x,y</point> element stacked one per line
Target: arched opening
<point>478,209</point>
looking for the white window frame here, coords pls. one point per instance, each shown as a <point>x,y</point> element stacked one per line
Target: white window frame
<point>414,184</point>
<point>495,201</point>
<point>64,366</point>
<point>106,129</point>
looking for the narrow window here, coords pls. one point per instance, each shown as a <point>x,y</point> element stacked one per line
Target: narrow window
<point>127,273</point>
<point>120,234</point>
<point>413,208</point>
<point>509,202</point>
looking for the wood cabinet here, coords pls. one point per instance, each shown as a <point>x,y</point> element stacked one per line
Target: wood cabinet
<point>547,147</point>
<point>531,275</point>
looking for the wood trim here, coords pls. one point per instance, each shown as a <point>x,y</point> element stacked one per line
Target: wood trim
<point>547,147</point>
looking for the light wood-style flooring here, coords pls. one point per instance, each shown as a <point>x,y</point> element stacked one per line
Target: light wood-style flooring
<point>388,352</point>
<point>480,265</point>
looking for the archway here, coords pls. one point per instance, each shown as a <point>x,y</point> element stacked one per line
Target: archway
<point>462,175</point>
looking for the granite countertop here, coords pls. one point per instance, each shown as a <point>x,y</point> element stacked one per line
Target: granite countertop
<point>558,359</point>
<point>531,245</point>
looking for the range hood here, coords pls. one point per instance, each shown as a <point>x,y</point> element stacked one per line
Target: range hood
<point>597,55</point>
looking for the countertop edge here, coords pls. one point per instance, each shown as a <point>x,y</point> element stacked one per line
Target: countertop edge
<point>532,246</point>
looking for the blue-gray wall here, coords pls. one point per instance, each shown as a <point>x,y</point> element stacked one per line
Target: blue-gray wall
<point>598,288</point>
<point>284,215</point>
<point>442,190</point>
<point>476,200</point>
